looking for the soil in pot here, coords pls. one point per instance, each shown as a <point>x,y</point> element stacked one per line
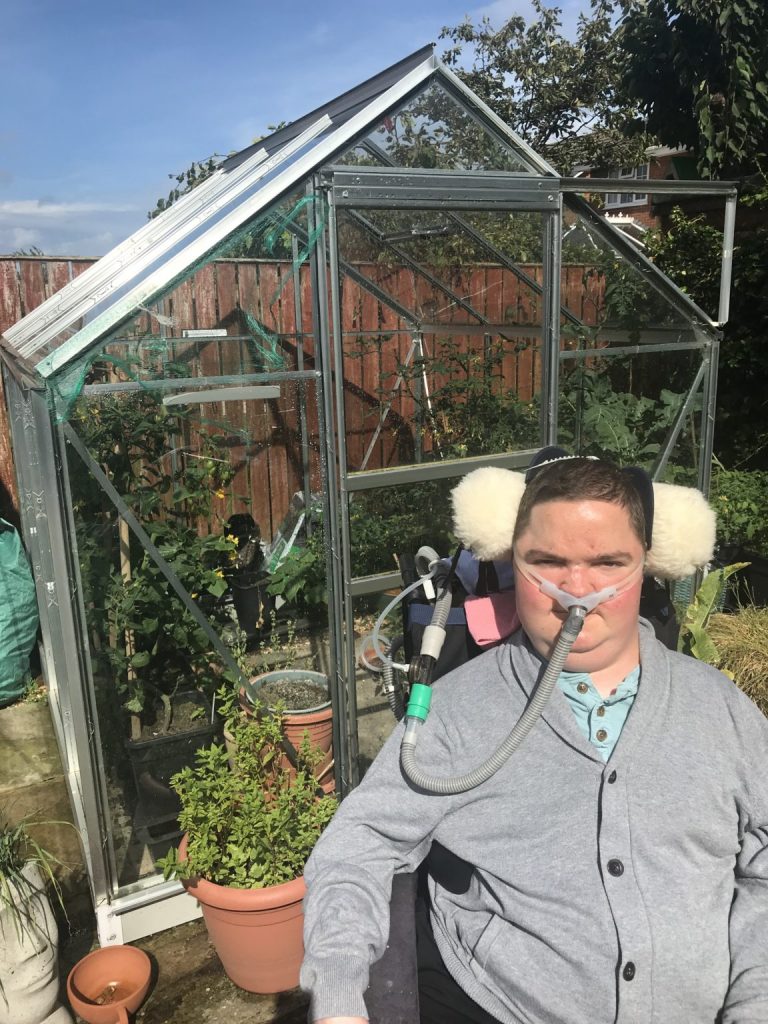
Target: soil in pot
<point>294,694</point>
<point>189,711</point>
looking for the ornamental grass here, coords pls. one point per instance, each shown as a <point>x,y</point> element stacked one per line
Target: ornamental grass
<point>741,639</point>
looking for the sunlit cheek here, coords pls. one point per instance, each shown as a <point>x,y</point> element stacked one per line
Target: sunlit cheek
<point>626,604</point>
<point>531,601</point>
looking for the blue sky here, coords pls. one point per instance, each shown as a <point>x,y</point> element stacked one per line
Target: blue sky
<point>103,100</point>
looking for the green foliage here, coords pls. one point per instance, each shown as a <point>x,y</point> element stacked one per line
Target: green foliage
<point>253,824</point>
<point>698,71</point>
<point>558,94</point>
<point>597,419</point>
<point>387,523</point>
<point>151,642</point>
<point>300,579</point>
<point>694,638</point>
<point>18,847</point>
<point>690,254</point>
<point>166,648</point>
<point>197,172</point>
<point>740,498</point>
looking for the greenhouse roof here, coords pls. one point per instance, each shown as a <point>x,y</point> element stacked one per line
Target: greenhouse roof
<point>70,323</point>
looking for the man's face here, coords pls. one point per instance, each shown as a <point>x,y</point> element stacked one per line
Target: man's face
<point>582,547</point>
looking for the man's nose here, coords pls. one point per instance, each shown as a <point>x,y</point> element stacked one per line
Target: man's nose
<point>576,581</point>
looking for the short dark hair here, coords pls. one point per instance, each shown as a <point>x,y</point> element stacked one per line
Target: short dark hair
<point>582,479</point>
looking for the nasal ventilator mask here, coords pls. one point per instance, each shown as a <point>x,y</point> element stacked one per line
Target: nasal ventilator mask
<point>485,508</point>
<point>586,601</point>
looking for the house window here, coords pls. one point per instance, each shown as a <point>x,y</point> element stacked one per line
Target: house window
<point>626,174</point>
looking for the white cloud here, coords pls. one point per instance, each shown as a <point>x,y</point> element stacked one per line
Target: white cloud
<point>500,11</point>
<point>319,34</point>
<point>38,209</point>
<point>24,238</point>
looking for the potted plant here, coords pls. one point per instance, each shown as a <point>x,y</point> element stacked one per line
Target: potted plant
<point>29,969</point>
<point>303,698</point>
<point>250,825</point>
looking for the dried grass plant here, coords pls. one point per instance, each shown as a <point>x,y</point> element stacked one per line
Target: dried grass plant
<point>741,639</point>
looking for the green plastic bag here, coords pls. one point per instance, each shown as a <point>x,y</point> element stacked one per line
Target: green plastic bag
<point>18,615</point>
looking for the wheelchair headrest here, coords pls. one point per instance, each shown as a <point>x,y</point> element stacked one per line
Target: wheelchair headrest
<point>486,502</point>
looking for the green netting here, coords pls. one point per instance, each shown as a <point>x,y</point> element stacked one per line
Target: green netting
<point>269,234</point>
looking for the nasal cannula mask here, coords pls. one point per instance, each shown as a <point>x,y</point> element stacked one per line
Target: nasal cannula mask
<point>586,601</point>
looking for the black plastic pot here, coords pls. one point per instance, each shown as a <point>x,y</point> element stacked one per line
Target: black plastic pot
<point>251,601</point>
<point>750,585</point>
<point>154,761</point>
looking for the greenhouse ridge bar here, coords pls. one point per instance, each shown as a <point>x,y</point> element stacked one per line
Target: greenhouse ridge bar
<point>229,429</point>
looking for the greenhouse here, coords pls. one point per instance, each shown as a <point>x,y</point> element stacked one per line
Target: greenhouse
<point>232,428</point>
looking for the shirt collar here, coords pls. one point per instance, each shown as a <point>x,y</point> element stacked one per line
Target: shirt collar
<point>569,681</point>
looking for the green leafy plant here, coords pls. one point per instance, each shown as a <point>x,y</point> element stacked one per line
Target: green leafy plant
<point>18,847</point>
<point>250,823</point>
<point>162,645</point>
<point>740,498</point>
<point>151,643</point>
<point>597,418</point>
<point>300,579</point>
<point>694,638</point>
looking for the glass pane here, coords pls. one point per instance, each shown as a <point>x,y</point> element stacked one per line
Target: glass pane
<point>468,381</point>
<point>229,493</point>
<point>435,130</point>
<point>256,300</point>
<point>386,522</point>
<point>612,300</point>
<point>376,718</point>
<point>631,366</point>
<point>641,410</point>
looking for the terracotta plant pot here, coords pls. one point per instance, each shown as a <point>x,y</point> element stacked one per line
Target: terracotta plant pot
<point>317,721</point>
<point>257,933</point>
<point>108,984</point>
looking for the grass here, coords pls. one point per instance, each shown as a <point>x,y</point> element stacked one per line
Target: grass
<point>742,642</point>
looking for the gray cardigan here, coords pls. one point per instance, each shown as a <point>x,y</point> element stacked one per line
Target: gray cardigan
<point>633,892</point>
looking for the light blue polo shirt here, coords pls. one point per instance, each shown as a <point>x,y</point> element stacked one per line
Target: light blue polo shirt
<point>600,719</point>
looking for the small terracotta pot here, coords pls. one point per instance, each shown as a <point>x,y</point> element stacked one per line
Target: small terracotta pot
<point>108,984</point>
<point>257,933</point>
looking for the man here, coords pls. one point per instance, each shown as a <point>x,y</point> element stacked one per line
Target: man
<point>616,865</point>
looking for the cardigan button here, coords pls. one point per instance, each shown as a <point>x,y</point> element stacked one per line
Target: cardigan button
<point>629,971</point>
<point>615,868</point>
<point>612,777</point>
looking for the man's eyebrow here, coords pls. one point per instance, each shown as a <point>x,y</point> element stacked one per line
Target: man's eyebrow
<point>602,556</point>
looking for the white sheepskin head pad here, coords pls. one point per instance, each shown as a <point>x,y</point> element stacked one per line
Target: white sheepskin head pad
<point>684,527</point>
<point>485,505</point>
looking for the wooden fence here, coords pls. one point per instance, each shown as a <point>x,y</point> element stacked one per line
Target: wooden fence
<point>225,294</point>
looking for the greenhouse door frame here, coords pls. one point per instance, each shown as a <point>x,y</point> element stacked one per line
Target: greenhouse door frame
<point>368,188</point>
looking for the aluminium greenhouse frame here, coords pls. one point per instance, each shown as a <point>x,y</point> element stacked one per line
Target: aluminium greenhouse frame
<point>53,340</point>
